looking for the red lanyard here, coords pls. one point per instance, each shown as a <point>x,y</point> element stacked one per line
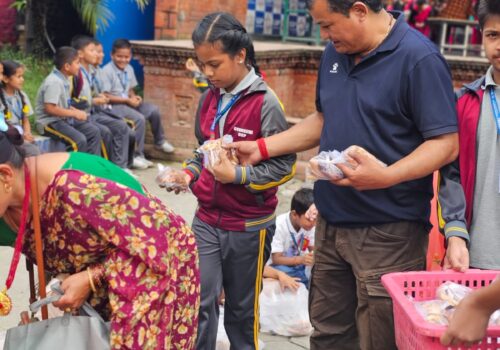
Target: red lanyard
<point>22,229</point>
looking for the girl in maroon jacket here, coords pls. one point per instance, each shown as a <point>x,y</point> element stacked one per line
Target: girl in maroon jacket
<point>234,222</point>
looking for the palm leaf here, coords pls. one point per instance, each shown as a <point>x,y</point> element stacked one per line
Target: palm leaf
<point>96,14</point>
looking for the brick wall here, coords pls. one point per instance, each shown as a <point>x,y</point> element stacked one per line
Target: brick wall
<point>176,19</point>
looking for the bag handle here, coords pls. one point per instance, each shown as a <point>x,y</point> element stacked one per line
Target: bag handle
<point>35,202</point>
<point>56,288</point>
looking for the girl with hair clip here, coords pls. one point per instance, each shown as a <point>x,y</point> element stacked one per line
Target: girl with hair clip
<point>128,254</point>
<point>16,104</point>
<point>235,220</point>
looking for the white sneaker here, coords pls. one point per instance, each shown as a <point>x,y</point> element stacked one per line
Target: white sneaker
<point>166,147</point>
<point>149,163</point>
<point>139,163</point>
<point>128,171</point>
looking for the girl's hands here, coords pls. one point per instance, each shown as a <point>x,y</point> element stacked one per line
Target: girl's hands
<point>292,283</point>
<point>223,171</point>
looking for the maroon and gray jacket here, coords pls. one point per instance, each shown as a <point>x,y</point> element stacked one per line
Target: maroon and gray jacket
<point>457,180</point>
<point>249,203</point>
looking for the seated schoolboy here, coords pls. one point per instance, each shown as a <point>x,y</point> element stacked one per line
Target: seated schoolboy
<point>119,81</point>
<point>114,130</point>
<point>56,117</point>
<point>293,241</point>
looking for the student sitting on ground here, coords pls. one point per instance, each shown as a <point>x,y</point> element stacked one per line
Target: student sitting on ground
<point>293,241</point>
<point>56,117</point>
<point>118,85</point>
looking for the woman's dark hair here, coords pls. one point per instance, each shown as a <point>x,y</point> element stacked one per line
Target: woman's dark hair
<point>223,28</point>
<point>485,9</point>
<point>64,54</point>
<point>302,200</point>
<point>121,44</point>
<point>343,6</point>
<point>10,141</point>
<point>9,69</point>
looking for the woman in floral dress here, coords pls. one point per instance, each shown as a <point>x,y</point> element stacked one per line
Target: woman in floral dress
<point>95,217</point>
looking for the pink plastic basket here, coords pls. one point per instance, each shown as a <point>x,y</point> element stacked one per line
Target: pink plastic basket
<point>412,331</point>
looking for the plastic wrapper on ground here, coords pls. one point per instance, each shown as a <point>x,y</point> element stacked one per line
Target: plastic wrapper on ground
<point>284,312</point>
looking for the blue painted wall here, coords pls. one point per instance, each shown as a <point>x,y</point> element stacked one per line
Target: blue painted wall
<point>130,23</point>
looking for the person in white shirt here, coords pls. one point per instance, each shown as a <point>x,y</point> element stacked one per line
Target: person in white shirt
<point>293,241</point>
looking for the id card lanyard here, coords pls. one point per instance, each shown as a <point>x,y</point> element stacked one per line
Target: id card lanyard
<point>221,112</point>
<point>496,109</point>
<point>298,245</point>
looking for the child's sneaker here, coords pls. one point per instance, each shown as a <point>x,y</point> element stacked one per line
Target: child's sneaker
<point>148,163</point>
<point>165,147</point>
<point>139,163</point>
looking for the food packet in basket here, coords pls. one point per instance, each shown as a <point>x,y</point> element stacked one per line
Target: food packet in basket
<point>452,293</point>
<point>212,149</point>
<point>171,178</point>
<point>435,311</point>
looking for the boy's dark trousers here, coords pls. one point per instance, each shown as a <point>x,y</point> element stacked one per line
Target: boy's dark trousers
<point>146,111</point>
<point>115,134</point>
<point>80,136</point>
<point>233,261</point>
<point>348,306</point>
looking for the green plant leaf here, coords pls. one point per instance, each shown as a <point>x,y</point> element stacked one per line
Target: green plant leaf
<point>96,15</point>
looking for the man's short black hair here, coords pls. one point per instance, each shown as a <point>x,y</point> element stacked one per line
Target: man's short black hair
<point>302,200</point>
<point>121,44</point>
<point>343,6</point>
<point>487,8</point>
<point>80,42</point>
<point>63,55</point>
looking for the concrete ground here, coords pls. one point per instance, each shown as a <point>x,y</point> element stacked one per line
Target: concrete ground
<point>183,204</point>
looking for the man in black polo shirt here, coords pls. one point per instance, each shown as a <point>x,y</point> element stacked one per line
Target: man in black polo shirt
<point>385,87</point>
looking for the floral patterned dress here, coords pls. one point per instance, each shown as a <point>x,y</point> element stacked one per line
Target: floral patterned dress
<point>149,254</point>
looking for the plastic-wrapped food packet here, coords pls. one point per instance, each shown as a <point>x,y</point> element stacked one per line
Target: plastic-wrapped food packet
<point>435,311</point>
<point>452,293</point>
<point>171,178</point>
<point>323,166</point>
<point>212,149</point>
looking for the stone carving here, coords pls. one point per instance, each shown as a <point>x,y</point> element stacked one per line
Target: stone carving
<point>184,111</point>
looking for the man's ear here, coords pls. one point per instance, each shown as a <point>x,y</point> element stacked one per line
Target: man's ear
<point>359,10</point>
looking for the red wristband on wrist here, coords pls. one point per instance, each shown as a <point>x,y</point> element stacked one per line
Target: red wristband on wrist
<point>263,149</point>
<point>190,174</point>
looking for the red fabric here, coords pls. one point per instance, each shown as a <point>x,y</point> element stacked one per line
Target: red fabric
<point>229,206</point>
<point>468,111</point>
<point>420,19</point>
<point>8,34</point>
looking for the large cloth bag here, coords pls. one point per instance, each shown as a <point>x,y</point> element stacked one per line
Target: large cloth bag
<point>88,332</point>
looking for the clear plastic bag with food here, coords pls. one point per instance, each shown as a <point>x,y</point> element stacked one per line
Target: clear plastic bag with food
<point>212,149</point>
<point>171,178</point>
<point>452,292</point>
<point>324,165</point>
<point>435,311</point>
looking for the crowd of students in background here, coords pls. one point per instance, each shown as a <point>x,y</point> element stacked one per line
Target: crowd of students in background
<point>87,107</point>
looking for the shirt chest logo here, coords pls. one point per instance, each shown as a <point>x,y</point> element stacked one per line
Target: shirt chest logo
<point>242,132</point>
<point>335,68</point>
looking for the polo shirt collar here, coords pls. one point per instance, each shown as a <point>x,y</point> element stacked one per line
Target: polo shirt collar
<point>488,79</point>
<point>248,80</point>
<point>396,34</point>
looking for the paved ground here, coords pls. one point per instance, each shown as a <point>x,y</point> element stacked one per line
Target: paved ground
<point>183,204</point>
